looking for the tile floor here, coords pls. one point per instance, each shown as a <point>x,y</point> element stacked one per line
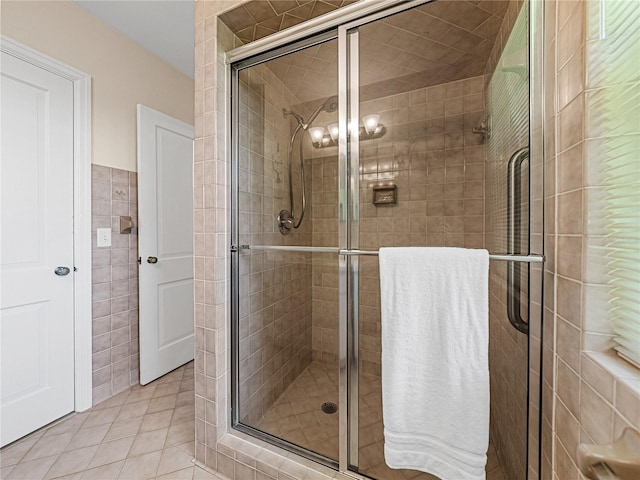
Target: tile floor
<point>147,433</point>
<point>142,433</point>
<point>297,417</point>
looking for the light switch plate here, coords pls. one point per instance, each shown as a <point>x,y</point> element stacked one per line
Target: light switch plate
<point>104,237</point>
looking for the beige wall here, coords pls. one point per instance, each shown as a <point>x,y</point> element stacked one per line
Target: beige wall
<point>123,73</point>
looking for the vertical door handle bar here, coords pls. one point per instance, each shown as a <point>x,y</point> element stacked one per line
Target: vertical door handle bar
<point>514,234</point>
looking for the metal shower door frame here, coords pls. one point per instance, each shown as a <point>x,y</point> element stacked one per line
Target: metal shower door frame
<point>348,201</point>
<point>266,54</point>
<point>349,227</point>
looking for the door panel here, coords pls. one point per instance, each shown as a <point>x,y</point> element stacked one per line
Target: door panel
<point>429,176</point>
<point>37,236</point>
<point>286,280</point>
<point>165,234</point>
<point>175,238</point>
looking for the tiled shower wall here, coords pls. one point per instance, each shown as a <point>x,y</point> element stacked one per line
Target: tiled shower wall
<point>324,204</point>
<point>115,283</point>
<point>275,288</point>
<point>430,153</point>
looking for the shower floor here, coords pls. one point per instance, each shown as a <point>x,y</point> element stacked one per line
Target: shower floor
<point>297,417</point>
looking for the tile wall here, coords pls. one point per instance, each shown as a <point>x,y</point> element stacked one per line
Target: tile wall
<point>430,153</point>
<point>211,238</point>
<point>115,283</point>
<point>595,395</point>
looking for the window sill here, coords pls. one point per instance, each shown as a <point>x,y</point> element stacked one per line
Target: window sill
<point>621,370</point>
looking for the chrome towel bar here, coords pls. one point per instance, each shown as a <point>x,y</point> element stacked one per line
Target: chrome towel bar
<point>353,252</point>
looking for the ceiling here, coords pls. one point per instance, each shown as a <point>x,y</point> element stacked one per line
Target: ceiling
<point>438,42</point>
<point>259,18</point>
<point>163,27</point>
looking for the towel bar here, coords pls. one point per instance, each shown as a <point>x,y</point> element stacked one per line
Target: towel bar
<point>355,252</point>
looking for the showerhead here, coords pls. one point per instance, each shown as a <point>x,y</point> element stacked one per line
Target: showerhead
<point>330,105</point>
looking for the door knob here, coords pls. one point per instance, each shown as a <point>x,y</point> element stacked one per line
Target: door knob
<point>152,259</point>
<point>61,271</point>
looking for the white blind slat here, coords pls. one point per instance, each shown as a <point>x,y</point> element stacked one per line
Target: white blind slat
<point>613,106</point>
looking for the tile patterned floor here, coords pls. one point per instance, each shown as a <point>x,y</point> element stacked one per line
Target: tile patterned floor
<point>142,433</point>
<point>297,417</point>
<point>147,433</point>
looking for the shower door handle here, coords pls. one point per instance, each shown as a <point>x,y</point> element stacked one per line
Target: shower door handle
<point>514,233</point>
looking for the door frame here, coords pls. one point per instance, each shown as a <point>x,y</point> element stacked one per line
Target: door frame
<point>82,293</point>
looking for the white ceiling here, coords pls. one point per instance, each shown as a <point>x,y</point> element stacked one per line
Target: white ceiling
<point>163,27</point>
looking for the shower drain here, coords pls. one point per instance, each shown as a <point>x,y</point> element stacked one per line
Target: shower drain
<point>329,407</point>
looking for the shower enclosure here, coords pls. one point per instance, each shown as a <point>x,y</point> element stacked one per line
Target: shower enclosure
<point>412,126</point>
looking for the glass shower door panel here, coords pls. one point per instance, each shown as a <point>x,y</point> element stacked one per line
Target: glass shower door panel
<point>287,348</point>
<point>424,128</point>
<point>508,229</point>
<point>286,330</point>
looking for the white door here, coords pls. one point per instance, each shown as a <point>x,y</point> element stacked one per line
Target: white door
<point>36,222</point>
<point>165,242</point>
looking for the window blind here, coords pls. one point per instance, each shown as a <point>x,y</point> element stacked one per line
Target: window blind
<point>613,106</point>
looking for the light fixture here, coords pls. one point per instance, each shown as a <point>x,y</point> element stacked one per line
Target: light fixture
<point>322,138</point>
<point>370,123</point>
<point>333,131</point>
<point>317,134</point>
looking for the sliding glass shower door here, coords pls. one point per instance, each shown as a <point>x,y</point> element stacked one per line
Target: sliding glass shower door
<point>441,159</point>
<point>389,131</point>
<point>286,237</point>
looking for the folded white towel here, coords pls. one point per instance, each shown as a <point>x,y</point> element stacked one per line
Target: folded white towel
<point>435,373</point>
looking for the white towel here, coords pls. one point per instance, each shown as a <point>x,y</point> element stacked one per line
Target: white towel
<point>435,372</point>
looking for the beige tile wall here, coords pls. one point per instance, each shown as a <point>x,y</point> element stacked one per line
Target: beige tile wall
<point>115,283</point>
<point>437,164</point>
<point>594,394</point>
<point>211,227</point>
